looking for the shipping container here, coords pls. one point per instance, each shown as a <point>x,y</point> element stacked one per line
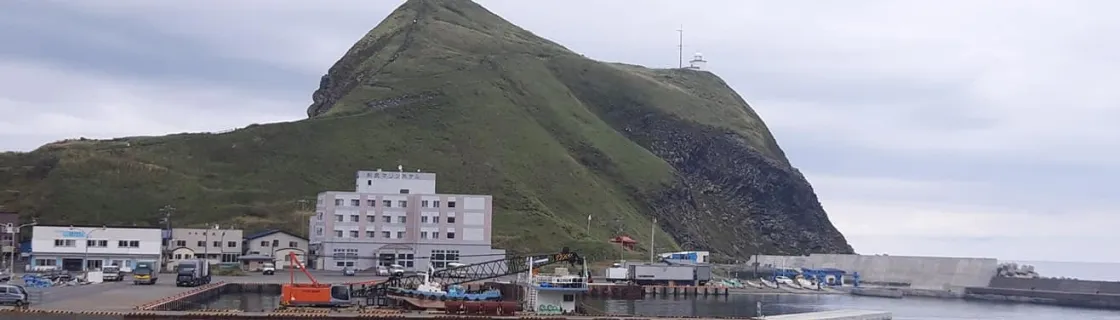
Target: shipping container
<point>662,274</point>
<point>617,274</point>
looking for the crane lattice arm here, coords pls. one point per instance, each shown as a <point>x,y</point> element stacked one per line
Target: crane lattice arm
<point>474,272</point>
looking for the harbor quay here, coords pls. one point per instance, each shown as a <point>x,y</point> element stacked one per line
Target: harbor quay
<point>128,301</point>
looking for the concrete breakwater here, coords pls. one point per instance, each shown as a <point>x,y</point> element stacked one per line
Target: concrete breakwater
<point>1057,298</point>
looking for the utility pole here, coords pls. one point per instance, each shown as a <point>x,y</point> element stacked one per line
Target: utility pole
<point>166,211</point>
<point>652,227</point>
<point>680,48</point>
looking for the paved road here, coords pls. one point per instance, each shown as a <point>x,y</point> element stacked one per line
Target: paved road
<point>119,296</point>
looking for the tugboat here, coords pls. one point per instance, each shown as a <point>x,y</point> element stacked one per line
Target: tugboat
<point>557,294</point>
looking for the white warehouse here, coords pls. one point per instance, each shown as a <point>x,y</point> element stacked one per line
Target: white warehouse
<point>72,247</point>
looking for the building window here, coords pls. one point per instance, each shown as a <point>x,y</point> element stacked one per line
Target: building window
<point>338,218</point>
<point>355,202</point>
<point>178,256</point>
<point>387,203</point>
<point>440,258</point>
<point>97,243</point>
<point>136,244</point>
<point>386,235</point>
<point>264,243</point>
<point>402,204</point>
<point>371,234</point>
<point>402,219</point>
<point>45,262</point>
<point>369,182</point>
<point>424,219</point>
<point>180,243</point>
<point>405,260</point>
<point>201,244</point>
<point>217,244</point>
<point>387,219</point>
<point>400,234</point>
<point>231,244</point>
<point>355,218</point>
<point>318,231</point>
<point>435,204</point>
<point>337,202</point>
<point>353,233</point>
<point>64,243</point>
<point>435,235</point>
<point>371,218</point>
<point>338,233</point>
<point>344,264</point>
<point>230,257</point>
<point>371,203</point>
<point>424,203</point>
<point>404,191</point>
<point>451,235</point>
<point>569,297</point>
<point>423,234</point>
<point>451,204</point>
<point>275,243</point>
<point>435,219</point>
<point>450,219</point>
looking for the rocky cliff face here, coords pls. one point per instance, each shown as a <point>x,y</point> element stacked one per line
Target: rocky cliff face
<point>448,87</point>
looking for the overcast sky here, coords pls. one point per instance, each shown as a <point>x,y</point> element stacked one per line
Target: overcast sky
<point>955,128</point>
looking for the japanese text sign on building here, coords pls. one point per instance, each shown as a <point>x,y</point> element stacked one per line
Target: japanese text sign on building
<point>72,234</point>
<point>397,175</point>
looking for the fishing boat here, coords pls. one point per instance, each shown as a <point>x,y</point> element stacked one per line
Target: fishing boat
<point>431,290</point>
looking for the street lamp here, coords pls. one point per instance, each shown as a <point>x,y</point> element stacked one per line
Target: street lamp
<point>12,229</point>
<point>85,259</point>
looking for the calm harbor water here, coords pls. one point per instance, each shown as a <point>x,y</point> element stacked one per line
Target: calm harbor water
<point>909,308</point>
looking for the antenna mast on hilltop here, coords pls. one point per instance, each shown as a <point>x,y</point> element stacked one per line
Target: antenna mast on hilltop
<point>680,48</point>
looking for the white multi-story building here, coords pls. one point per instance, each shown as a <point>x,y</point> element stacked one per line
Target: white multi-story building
<point>71,247</point>
<point>397,218</point>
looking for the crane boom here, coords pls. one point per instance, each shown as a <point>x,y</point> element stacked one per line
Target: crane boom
<point>468,273</point>
<point>292,272</point>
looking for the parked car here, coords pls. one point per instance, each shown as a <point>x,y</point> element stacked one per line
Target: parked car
<point>4,277</point>
<point>268,269</point>
<point>396,270</point>
<point>14,295</point>
<point>348,271</point>
<point>382,271</point>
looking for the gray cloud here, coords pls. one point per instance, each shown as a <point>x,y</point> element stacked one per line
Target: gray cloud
<point>910,117</point>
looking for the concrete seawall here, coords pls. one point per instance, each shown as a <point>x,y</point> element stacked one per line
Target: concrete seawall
<point>937,273</point>
<point>1057,298</point>
<point>1061,285</point>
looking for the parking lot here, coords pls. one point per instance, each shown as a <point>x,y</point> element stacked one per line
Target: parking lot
<point>120,296</point>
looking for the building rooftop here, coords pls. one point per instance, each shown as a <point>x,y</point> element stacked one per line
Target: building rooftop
<point>268,233</point>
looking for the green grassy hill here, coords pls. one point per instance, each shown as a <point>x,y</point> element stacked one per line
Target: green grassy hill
<point>450,88</point>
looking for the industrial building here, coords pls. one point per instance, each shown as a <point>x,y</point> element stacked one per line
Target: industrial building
<point>74,247</point>
<point>278,245</point>
<point>398,218</point>
<point>214,244</point>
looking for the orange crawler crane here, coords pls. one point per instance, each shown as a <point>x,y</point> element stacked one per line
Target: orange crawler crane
<point>312,294</point>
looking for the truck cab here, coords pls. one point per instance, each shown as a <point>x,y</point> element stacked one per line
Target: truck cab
<point>193,273</point>
<point>111,273</point>
<point>268,268</point>
<point>145,272</point>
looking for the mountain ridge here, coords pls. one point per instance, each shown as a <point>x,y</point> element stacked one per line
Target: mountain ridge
<point>492,109</point>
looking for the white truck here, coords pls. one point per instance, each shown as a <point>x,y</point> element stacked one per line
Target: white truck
<point>268,269</point>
